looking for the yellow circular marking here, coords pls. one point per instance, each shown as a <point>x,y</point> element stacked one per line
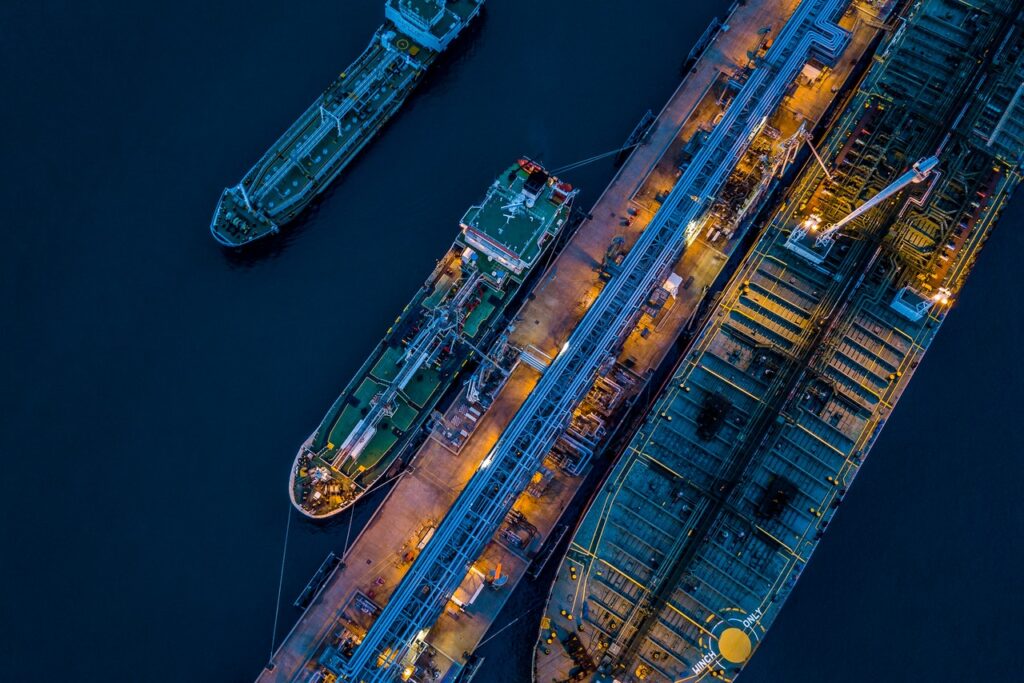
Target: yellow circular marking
<point>734,645</point>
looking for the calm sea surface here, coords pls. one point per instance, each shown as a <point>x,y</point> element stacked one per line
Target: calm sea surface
<point>154,389</point>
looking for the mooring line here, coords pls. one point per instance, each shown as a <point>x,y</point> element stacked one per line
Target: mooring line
<point>280,580</point>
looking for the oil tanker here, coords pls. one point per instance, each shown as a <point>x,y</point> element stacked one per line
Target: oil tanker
<point>458,313</point>
<point>700,531</point>
<point>325,139</point>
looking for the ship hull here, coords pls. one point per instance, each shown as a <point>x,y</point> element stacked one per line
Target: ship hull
<point>319,145</point>
<point>703,526</point>
<point>460,312</point>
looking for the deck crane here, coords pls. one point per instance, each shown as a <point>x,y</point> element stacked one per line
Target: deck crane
<point>810,228</point>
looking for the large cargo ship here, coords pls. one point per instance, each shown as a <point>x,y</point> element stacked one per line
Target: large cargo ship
<point>700,531</point>
<point>459,312</point>
<point>322,142</point>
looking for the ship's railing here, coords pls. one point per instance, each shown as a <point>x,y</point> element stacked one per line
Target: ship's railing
<point>423,349</point>
<point>479,510</point>
<point>338,112</point>
<point>354,139</point>
<point>366,56</point>
<point>366,72</point>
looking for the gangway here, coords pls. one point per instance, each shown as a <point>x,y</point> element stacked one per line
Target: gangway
<point>420,597</point>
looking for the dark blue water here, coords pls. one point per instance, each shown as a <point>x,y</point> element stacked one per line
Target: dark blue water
<point>155,390</point>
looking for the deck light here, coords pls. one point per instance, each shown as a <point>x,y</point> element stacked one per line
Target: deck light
<point>941,296</point>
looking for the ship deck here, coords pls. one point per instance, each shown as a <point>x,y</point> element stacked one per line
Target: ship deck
<point>379,557</point>
<point>507,230</point>
<point>322,141</point>
<point>328,476</point>
<point>705,523</point>
<point>461,10</point>
<point>309,153</point>
<point>522,237</point>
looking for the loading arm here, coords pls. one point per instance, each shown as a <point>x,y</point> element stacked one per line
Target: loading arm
<point>917,173</point>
